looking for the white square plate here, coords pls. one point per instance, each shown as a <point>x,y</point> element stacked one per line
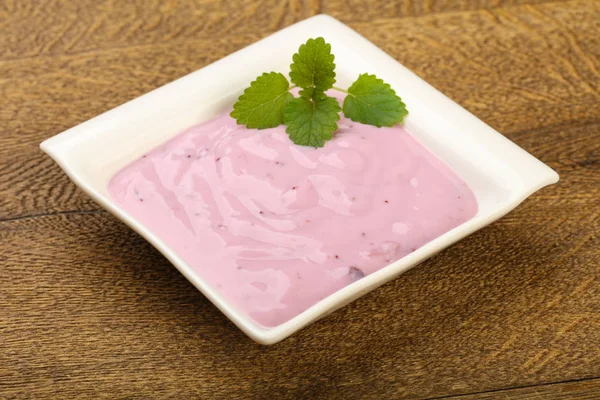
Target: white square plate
<point>500,173</point>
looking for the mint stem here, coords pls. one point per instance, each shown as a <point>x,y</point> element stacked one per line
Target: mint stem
<point>333,87</point>
<point>339,89</point>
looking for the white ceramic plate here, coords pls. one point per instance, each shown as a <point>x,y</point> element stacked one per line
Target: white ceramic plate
<point>500,173</point>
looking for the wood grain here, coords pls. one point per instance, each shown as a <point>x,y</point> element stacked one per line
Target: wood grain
<point>90,310</point>
<point>585,389</point>
<point>73,27</point>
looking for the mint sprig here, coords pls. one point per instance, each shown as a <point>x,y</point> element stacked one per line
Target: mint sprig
<point>311,122</point>
<point>372,101</point>
<point>261,106</point>
<point>313,68</point>
<point>311,119</point>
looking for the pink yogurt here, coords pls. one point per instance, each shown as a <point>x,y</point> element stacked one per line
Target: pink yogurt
<point>277,227</point>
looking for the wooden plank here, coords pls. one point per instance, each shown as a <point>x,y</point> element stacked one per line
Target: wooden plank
<point>88,309</point>
<point>520,69</point>
<point>54,27</point>
<point>588,389</point>
<point>87,305</point>
<point>357,10</point>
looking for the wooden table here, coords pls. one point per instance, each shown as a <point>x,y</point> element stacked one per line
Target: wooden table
<point>88,309</point>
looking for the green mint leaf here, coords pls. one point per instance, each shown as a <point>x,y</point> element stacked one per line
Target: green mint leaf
<point>372,101</point>
<point>308,92</point>
<point>261,106</point>
<point>311,122</point>
<point>313,66</point>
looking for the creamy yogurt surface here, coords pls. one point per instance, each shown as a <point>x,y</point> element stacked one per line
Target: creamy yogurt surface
<point>277,227</point>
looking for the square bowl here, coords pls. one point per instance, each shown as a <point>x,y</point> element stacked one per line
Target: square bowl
<point>500,174</point>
